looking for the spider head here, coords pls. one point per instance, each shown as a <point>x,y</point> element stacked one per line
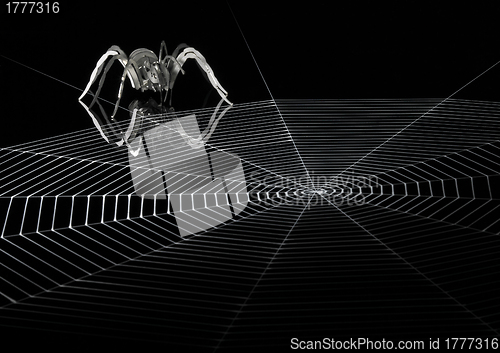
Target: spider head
<point>152,74</point>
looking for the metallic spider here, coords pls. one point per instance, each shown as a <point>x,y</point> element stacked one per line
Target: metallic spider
<point>145,71</point>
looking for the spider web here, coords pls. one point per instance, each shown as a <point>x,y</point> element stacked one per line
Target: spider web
<point>413,255</point>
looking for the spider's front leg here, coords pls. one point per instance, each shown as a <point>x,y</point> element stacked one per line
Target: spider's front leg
<point>130,70</point>
<point>104,124</point>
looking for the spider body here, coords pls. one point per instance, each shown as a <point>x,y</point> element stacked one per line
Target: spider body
<point>151,74</point>
<point>146,72</point>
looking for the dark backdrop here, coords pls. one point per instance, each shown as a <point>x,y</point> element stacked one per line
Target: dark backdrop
<point>390,49</point>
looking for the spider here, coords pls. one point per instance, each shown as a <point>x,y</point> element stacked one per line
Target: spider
<point>145,71</point>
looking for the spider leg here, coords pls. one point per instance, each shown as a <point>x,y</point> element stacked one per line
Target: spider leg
<point>97,121</point>
<point>97,70</point>
<point>173,64</point>
<point>101,81</point>
<point>191,53</point>
<point>163,47</point>
<point>179,48</point>
<point>133,127</point>
<point>212,124</point>
<point>109,126</point>
<point>202,139</point>
<point>116,54</point>
<point>113,51</point>
<point>120,90</point>
<point>132,130</point>
<point>130,70</point>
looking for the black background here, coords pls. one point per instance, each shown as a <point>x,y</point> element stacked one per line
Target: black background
<point>314,50</point>
<point>371,49</point>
